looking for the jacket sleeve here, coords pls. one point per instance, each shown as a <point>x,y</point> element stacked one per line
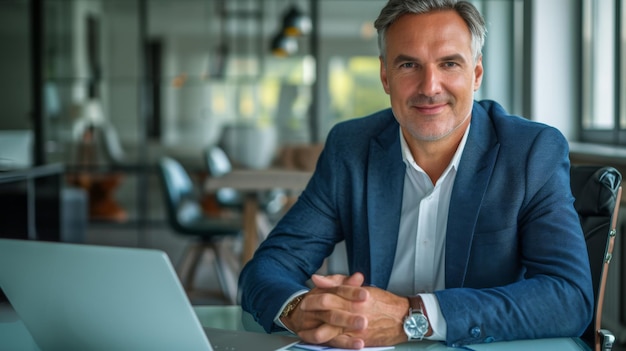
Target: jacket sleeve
<point>295,248</point>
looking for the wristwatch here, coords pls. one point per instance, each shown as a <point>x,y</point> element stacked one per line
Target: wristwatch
<point>291,305</point>
<point>416,324</point>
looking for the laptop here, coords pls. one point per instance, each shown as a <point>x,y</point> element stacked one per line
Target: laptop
<point>83,297</point>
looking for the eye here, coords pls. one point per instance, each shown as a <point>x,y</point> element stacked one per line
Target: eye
<point>407,65</point>
<point>450,64</point>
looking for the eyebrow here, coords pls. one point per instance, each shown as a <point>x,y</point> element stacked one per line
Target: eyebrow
<point>404,58</point>
<point>453,57</point>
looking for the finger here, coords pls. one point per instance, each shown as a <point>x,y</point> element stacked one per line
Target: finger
<point>339,298</point>
<point>330,335</point>
<point>320,335</point>
<point>341,319</point>
<point>347,342</point>
<point>357,279</point>
<point>352,293</point>
<point>334,280</point>
<point>346,321</point>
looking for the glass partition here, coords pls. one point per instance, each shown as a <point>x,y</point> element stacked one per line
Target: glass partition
<point>170,75</point>
<point>127,81</point>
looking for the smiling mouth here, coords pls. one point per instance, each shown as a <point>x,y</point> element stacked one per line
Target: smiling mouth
<point>430,109</point>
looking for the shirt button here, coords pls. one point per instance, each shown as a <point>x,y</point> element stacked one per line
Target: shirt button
<point>475,332</point>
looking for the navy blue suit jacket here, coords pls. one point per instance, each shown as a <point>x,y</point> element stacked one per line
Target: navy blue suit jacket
<point>516,263</point>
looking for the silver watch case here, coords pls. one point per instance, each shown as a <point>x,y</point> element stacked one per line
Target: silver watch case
<point>416,325</point>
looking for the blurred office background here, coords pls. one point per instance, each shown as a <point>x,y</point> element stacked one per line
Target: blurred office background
<point>107,87</point>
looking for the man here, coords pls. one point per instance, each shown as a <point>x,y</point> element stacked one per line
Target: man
<point>458,218</point>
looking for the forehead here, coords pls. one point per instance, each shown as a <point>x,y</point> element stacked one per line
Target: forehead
<point>433,29</point>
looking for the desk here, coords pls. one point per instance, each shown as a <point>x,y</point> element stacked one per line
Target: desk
<point>251,182</point>
<point>14,336</point>
<point>233,318</point>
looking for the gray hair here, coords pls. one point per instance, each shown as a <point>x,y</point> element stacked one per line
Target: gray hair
<point>396,8</point>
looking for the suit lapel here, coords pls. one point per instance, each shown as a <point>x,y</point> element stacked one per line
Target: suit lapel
<point>473,177</point>
<point>385,177</point>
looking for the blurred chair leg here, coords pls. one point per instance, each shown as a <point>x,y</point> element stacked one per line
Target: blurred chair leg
<point>225,276</point>
<point>189,265</point>
<point>263,225</point>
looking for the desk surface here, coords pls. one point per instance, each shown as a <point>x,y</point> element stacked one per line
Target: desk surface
<point>14,336</point>
<point>255,180</point>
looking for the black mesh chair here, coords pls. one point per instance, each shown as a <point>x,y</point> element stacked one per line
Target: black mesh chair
<point>598,191</point>
<point>186,217</point>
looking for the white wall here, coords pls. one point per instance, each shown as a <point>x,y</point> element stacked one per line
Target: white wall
<point>555,76</point>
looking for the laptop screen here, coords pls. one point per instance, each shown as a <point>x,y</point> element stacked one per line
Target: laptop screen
<point>81,297</point>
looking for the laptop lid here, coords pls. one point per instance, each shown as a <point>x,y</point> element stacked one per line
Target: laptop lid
<point>83,297</point>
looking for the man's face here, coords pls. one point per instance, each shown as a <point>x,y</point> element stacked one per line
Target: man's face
<point>430,74</point>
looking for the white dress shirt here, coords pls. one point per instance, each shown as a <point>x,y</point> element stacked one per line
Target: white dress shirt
<point>419,265</point>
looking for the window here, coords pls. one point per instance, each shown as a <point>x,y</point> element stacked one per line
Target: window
<point>604,98</point>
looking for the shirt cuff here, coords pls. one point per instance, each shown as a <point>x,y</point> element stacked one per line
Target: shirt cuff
<point>435,318</point>
<point>277,320</point>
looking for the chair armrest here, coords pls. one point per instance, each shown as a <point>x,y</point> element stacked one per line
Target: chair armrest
<point>606,339</point>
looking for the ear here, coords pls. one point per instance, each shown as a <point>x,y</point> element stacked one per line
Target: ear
<point>478,73</point>
<point>383,74</point>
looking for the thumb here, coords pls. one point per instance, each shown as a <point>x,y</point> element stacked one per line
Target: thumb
<point>335,280</point>
<point>356,279</point>
<point>328,281</point>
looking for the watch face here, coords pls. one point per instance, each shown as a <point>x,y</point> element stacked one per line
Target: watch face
<point>416,326</point>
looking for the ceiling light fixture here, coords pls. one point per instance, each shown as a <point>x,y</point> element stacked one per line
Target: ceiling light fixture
<point>296,23</point>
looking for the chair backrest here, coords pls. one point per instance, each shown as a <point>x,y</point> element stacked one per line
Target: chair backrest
<point>218,165</point>
<point>179,192</point>
<point>597,193</point>
<point>217,162</point>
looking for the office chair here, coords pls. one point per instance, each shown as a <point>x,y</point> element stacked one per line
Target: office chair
<point>186,217</point>
<point>597,191</point>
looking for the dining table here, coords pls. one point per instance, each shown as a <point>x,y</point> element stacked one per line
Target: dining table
<point>252,183</point>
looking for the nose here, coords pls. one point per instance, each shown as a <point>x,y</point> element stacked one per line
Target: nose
<point>430,81</point>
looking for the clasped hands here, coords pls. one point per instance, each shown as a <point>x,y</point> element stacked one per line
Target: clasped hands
<point>340,312</point>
